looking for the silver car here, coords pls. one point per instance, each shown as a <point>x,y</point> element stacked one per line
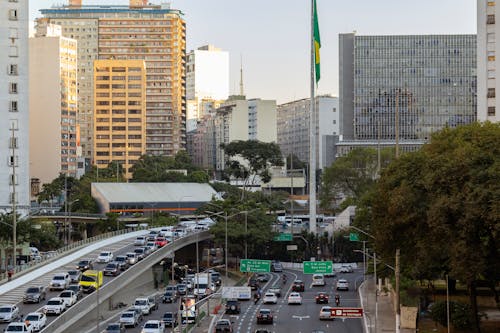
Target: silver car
<point>131,258</point>
<point>129,319</point>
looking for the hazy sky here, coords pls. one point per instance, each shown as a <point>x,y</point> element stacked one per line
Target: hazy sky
<point>272,36</point>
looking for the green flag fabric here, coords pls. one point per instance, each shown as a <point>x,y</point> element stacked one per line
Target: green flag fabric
<point>317,43</point>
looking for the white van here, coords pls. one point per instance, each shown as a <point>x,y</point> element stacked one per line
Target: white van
<point>318,280</point>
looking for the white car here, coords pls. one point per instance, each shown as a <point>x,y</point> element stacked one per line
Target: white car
<point>143,304</point>
<point>8,313</point>
<point>69,297</point>
<point>129,318</point>
<point>342,284</point>
<point>19,327</point>
<point>140,241</point>
<point>294,298</point>
<point>37,319</point>
<point>105,257</point>
<point>270,298</point>
<point>55,306</point>
<point>60,281</point>
<point>153,326</point>
<point>345,269</point>
<point>325,313</point>
<point>318,280</point>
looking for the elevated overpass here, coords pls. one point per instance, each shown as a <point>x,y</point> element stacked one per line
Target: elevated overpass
<point>83,217</point>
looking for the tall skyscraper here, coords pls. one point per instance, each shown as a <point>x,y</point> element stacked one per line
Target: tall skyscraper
<point>53,104</point>
<point>488,45</point>
<point>140,31</point>
<point>293,129</point>
<point>120,112</point>
<point>207,80</point>
<point>404,88</point>
<point>14,98</point>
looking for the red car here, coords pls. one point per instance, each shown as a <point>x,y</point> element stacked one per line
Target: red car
<point>298,286</point>
<point>322,298</point>
<point>160,241</point>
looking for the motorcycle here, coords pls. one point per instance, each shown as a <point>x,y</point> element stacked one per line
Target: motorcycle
<point>256,298</point>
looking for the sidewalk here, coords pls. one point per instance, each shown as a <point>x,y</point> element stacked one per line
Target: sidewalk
<point>380,316</point>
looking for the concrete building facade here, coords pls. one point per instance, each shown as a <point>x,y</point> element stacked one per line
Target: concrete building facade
<point>14,98</point>
<point>410,85</point>
<point>154,33</point>
<point>488,45</point>
<point>293,129</point>
<point>120,113</point>
<point>53,100</point>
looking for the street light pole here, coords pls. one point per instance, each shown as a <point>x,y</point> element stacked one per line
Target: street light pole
<point>246,234</point>
<point>225,251</point>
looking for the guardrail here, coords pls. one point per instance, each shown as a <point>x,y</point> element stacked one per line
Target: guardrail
<point>69,318</point>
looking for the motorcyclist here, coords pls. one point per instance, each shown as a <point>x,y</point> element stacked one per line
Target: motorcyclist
<point>256,297</point>
<point>284,279</point>
<point>337,299</point>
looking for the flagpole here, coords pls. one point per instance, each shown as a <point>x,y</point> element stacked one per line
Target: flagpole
<point>312,135</point>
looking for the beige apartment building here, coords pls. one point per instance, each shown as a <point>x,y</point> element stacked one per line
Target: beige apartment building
<point>120,112</point>
<point>53,104</point>
<point>139,31</point>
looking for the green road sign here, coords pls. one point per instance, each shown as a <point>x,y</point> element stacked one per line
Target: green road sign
<point>255,265</point>
<point>317,267</point>
<point>283,237</point>
<point>354,237</point>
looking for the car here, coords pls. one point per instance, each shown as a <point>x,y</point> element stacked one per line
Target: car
<point>223,325</point>
<point>140,252</point>
<point>19,327</point>
<point>152,246</point>
<point>276,289</point>
<point>294,298</point>
<point>105,257</point>
<point>276,267</point>
<point>8,313</point>
<point>111,269</point>
<point>172,288</point>
<point>332,274</point>
<point>131,258</point>
<point>147,250</point>
<point>322,298</point>
<point>77,290</point>
<point>153,326</point>
<point>84,265</point>
<point>34,294</point>
<point>298,285</point>
<point>253,283</point>
<point>346,269</point>
<point>182,289</point>
<point>153,301</point>
<point>169,297</point>
<point>342,284</point>
<point>140,241</point>
<point>60,281</point>
<point>161,241</point>
<point>270,298</point>
<point>75,275</point>
<point>262,277</point>
<point>55,306</point>
<point>318,280</point>
<point>115,328</point>
<point>129,319</point>
<point>143,304</point>
<point>138,312</point>
<point>264,316</point>
<point>262,330</point>
<point>325,313</point>
<point>69,297</point>
<point>37,319</point>
<point>216,278</point>
<point>233,306</point>
<point>122,262</point>
<point>170,319</point>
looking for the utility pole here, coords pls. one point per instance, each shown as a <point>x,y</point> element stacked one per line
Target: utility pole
<point>398,307</point>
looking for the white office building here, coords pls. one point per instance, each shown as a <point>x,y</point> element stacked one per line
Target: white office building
<point>14,101</point>
<point>488,45</point>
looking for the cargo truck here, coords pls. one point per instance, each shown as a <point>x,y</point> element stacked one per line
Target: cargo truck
<point>91,280</point>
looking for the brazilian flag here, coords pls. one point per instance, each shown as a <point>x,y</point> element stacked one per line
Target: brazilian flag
<point>317,43</point>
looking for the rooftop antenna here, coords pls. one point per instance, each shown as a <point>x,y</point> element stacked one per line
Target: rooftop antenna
<point>241,76</point>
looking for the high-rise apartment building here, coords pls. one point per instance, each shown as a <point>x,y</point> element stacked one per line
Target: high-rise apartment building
<point>140,31</point>
<point>120,112</point>
<point>14,99</point>
<point>293,129</point>
<point>488,45</point>
<point>207,79</point>
<point>53,104</point>
<point>405,87</point>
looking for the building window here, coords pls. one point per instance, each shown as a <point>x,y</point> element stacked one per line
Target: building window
<point>490,37</point>
<point>491,55</point>
<point>491,2</point>
<point>13,143</point>
<point>490,19</point>
<point>491,74</point>
<point>491,110</point>
<point>13,106</point>
<point>13,14</point>
<point>12,70</point>
<point>13,180</point>
<point>13,33</point>
<point>491,92</point>
<point>13,88</point>
<point>13,51</point>
<point>11,160</point>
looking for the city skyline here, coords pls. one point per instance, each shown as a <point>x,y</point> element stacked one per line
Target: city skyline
<point>274,43</point>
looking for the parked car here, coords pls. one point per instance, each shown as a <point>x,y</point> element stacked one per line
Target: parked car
<point>129,319</point>
<point>55,306</point>
<point>8,313</point>
<point>111,269</point>
<point>115,328</point>
<point>131,258</point>
<point>322,298</point>
<point>84,265</point>
<point>170,319</point>
<point>276,289</point>
<point>35,294</point>
<point>37,319</point>
<point>122,262</point>
<point>264,316</point>
<point>69,297</point>
<point>153,326</point>
<point>224,325</point>
<point>294,298</point>
<point>325,313</point>
<point>75,275</point>
<point>270,298</point>
<point>60,281</point>
<point>298,285</point>
<point>342,284</point>
<point>19,327</point>
<point>233,306</point>
<point>77,290</point>
<point>105,257</point>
